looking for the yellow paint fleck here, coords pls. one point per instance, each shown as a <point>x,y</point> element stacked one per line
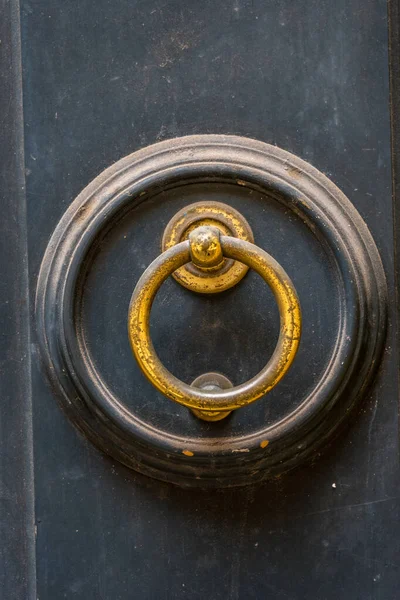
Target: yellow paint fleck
<point>264,443</point>
<point>187,452</point>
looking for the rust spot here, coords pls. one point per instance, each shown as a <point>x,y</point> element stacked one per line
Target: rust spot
<point>80,213</point>
<point>293,172</point>
<point>264,443</point>
<point>187,452</point>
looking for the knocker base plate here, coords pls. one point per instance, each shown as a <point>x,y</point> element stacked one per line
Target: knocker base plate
<point>230,222</point>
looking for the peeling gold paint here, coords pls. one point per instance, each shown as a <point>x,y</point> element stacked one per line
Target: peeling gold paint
<point>215,278</point>
<point>205,402</point>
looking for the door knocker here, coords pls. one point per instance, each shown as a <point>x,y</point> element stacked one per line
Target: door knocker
<point>186,197</point>
<point>207,249</point>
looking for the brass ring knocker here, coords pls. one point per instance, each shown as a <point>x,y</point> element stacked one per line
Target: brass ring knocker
<point>207,248</point>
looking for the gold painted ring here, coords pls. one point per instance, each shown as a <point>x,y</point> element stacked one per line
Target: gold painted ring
<point>139,315</point>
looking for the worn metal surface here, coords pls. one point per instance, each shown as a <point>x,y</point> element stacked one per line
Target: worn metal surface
<point>194,249</point>
<point>230,222</point>
<point>211,382</point>
<point>318,403</point>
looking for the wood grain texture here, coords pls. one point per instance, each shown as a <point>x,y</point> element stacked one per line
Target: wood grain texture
<point>17,547</point>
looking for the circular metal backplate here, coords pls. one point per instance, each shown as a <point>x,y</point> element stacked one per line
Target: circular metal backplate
<point>83,297</point>
<point>230,222</point>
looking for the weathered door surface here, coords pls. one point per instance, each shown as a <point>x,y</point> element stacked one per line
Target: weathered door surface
<point>236,162</point>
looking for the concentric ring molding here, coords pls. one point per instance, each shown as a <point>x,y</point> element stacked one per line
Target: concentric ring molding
<point>93,407</point>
